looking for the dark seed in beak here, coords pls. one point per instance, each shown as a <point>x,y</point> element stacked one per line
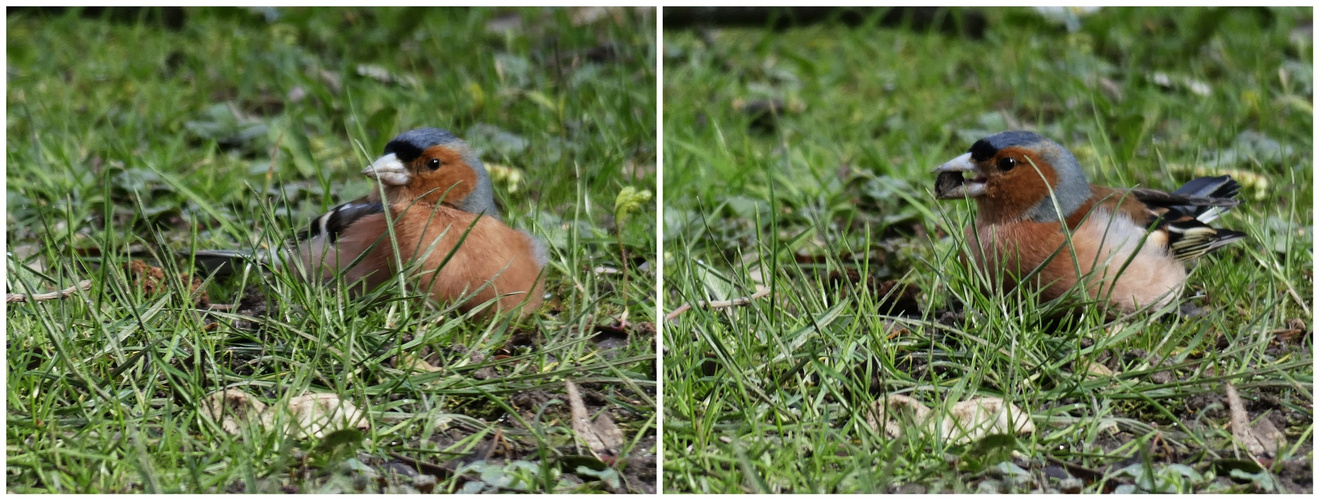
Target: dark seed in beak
<point>947,181</point>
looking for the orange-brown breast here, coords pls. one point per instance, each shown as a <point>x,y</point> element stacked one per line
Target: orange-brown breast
<point>1009,252</point>
<point>1106,250</point>
<point>492,261</point>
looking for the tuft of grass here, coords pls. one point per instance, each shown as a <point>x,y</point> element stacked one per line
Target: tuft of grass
<point>825,200</point>
<point>133,140</point>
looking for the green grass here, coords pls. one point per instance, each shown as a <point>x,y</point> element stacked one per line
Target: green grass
<point>127,140</point>
<point>773,395</point>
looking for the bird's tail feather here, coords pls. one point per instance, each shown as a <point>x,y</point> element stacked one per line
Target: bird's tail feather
<point>1221,187</point>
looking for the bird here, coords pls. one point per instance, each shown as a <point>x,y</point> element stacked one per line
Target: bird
<point>1130,246</point>
<point>447,234</point>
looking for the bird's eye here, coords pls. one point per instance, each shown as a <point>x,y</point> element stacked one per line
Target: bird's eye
<point>433,163</point>
<point>1006,163</point>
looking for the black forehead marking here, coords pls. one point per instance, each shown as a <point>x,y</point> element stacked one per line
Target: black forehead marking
<point>982,150</point>
<point>986,148</point>
<point>409,145</point>
<point>405,151</point>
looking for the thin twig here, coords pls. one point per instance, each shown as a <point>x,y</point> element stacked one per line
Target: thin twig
<point>18,297</point>
<point>761,292</point>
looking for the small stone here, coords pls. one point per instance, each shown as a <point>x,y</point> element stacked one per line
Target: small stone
<point>400,469</point>
<point>424,483</point>
<point>1056,472</point>
<point>361,482</point>
<point>1070,485</point>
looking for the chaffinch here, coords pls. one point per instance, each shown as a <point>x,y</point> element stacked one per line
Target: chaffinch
<point>1130,245</point>
<point>447,231</point>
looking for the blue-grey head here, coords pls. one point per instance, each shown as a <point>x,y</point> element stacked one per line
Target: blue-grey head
<point>436,166</point>
<point>1016,175</point>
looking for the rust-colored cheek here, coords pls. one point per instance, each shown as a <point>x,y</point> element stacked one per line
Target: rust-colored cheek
<point>1010,194</point>
<point>452,183</point>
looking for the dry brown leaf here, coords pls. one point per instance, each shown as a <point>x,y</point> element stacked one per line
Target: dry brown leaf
<point>906,410</point>
<point>976,418</point>
<point>318,414</point>
<point>602,436</point>
<point>1097,369</point>
<point>965,422</point>
<point>230,407</point>
<point>1270,438</point>
<point>1261,440</point>
<point>608,432</point>
<point>408,360</point>
<point>314,414</point>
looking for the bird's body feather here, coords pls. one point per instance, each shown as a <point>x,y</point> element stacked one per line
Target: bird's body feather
<point>1041,223</point>
<point>447,237</point>
<point>434,243</point>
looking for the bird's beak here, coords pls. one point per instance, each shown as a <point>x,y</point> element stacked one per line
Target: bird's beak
<point>950,183</point>
<point>389,171</point>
